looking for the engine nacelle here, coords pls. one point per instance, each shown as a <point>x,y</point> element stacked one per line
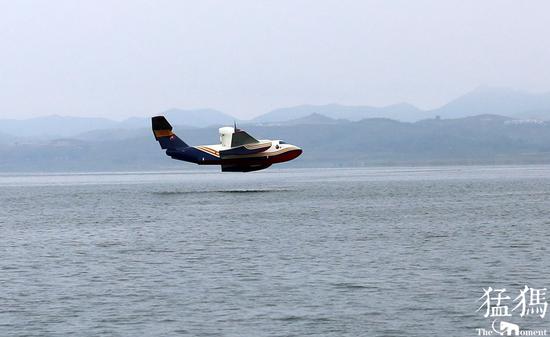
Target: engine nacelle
<point>226,134</point>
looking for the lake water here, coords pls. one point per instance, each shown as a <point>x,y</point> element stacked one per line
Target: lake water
<point>336,252</point>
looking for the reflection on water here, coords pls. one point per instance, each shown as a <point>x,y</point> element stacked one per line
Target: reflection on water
<point>221,191</point>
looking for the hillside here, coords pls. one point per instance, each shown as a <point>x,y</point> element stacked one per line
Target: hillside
<point>483,100</point>
<point>402,112</point>
<point>501,101</point>
<point>486,139</point>
<point>50,127</point>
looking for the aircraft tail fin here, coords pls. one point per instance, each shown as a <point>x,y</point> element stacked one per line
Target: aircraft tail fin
<point>164,135</point>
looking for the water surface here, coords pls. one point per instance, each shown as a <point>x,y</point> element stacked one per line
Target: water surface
<point>339,252</point>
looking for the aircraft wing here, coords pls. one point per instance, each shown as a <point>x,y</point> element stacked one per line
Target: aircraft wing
<point>245,149</point>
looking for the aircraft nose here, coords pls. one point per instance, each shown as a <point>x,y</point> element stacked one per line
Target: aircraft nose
<point>296,151</point>
<point>290,153</point>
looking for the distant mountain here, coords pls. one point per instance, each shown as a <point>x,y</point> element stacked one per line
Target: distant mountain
<point>53,126</point>
<point>538,114</point>
<point>198,118</point>
<point>403,112</point>
<point>483,139</point>
<point>5,138</point>
<point>313,119</point>
<point>195,118</point>
<point>495,100</point>
<point>112,134</point>
<point>481,101</point>
<point>64,126</point>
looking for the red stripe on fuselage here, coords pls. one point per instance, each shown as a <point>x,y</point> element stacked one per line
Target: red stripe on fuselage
<point>235,160</point>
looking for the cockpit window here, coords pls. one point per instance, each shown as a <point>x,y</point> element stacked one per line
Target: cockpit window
<point>282,142</point>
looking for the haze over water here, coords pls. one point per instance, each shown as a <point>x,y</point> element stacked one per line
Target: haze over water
<point>339,252</point>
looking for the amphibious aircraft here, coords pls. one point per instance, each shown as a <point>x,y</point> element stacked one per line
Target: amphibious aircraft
<point>238,151</point>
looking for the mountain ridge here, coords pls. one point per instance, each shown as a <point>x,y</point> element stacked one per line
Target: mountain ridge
<point>483,139</point>
<point>482,100</point>
<point>496,100</point>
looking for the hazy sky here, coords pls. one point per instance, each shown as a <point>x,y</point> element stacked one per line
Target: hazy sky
<point>136,58</point>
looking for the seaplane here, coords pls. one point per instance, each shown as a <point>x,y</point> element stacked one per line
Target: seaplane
<point>237,152</point>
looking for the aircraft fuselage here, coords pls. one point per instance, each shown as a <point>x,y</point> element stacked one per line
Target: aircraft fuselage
<point>210,155</point>
<point>237,151</point>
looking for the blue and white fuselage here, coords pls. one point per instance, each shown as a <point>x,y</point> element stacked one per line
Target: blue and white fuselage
<point>237,151</point>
